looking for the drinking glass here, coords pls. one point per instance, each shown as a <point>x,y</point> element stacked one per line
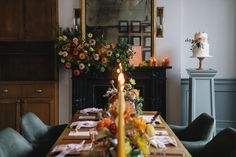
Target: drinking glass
<point>93,133</point>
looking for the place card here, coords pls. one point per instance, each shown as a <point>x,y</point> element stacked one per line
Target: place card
<point>87,117</point>
<point>79,133</point>
<point>161,132</point>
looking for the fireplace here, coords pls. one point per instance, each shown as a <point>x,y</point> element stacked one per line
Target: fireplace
<point>88,89</point>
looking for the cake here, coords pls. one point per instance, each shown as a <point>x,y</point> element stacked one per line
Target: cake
<point>200,45</point>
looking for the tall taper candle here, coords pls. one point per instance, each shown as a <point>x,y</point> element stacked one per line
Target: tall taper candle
<point>121,126</point>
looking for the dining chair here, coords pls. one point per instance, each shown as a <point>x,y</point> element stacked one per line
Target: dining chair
<point>222,145</point>
<point>196,135</point>
<point>12,144</point>
<point>41,136</point>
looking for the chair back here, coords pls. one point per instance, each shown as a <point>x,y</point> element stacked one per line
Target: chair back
<point>12,144</point>
<point>200,129</point>
<point>32,128</point>
<point>222,145</point>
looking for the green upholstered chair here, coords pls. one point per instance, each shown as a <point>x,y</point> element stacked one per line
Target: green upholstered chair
<point>196,134</point>
<point>41,136</point>
<point>12,144</point>
<point>222,145</point>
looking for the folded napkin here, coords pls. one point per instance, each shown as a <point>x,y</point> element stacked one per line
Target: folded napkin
<point>90,110</point>
<point>161,141</point>
<point>65,149</point>
<point>79,133</point>
<point>83,124</point>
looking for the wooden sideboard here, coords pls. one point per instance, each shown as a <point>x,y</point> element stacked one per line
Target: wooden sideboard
<point>88,89</point>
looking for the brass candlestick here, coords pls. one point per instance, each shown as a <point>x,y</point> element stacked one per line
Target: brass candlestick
<point>200,63</point>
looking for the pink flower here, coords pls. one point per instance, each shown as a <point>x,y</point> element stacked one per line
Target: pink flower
<point>76,72</point>
<point>75,52</point>
<point>75,41</point>
<point>81,66</point>
<point>64,37</point>
<point>64,47</point>
<point>81,46</point>
<point>65,54</point>
<point>92,42</point>
<point>109,53</point>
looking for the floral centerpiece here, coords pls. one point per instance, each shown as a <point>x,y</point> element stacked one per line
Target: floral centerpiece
<point>84,55</point>
<point>137,131</point>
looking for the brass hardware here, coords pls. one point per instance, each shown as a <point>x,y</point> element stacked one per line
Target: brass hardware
<point>5,90</point>
<point>38,91</point>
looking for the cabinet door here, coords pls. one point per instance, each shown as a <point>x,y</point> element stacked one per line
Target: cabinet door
<point>40,106</point>
<point>10,19</point>
<point>40,19</point>
<point>9,113</point>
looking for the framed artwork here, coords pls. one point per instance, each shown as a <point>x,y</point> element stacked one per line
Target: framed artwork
<point>137,58</point>
<point>123,27</point>
<point>146,55</point>
<point>136,40</point>
<point>135,26</point>
<point>124,38</point>
<point>147,41</point>
<point>147,28</point>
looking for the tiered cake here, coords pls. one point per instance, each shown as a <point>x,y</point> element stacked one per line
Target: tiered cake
<point>200,45</point>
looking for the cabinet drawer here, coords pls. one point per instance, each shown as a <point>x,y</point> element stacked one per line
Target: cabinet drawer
<point>39,90</point>
<point>27,90</point>
<point>7,91</point>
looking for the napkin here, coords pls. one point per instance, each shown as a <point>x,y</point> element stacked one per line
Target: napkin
<point>79,133</point>
<point>83,124</point>
<point>90,110</point>
<point>161,141</point>
<point>65,149</point>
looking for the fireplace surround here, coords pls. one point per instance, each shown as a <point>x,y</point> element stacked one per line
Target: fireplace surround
<point>88,89</point>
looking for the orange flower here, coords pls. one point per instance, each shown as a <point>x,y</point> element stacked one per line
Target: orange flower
<point>82,56</point>
<point>104,60</point>
<point>113,45</point>
<point>104,123</point>
<point>68,65</point>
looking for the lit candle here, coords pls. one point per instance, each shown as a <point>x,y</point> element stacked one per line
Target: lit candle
<point>121,108</point>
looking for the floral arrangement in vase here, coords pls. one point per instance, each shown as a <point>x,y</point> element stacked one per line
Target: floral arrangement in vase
<point>132,97</point>
<point>84,55</point>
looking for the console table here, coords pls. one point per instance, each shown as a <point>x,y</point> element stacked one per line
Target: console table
<point>88,89</point>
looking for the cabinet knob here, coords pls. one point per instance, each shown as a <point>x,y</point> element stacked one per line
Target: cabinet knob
<point>38,91</point>
<point>5,90</point>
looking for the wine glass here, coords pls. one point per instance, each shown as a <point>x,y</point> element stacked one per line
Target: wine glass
<point>93,133</point>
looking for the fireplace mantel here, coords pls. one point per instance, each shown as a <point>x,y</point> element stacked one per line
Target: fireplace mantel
<point>88,89</point>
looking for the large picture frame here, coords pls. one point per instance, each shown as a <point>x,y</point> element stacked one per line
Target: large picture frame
<point>136,40</point>
<point>123,26</point>
<point>146,55</point>
<point>147,41</point>
<point>135,26</point>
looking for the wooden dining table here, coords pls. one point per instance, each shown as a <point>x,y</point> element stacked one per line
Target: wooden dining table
<point>100,151</point>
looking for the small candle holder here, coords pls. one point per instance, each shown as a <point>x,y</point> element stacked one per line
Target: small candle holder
<point>165,61</point>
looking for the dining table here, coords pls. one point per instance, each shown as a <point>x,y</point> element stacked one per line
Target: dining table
<point>77,136</point>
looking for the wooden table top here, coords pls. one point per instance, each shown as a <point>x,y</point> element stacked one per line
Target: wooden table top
<point>171,151</point>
